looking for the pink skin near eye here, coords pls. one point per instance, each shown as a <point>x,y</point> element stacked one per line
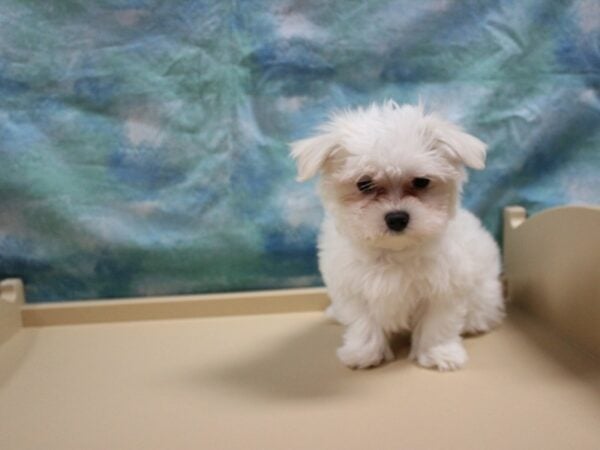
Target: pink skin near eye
<point>367,189</point>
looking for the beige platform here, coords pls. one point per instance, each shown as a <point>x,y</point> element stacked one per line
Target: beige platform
<point>271,381</point>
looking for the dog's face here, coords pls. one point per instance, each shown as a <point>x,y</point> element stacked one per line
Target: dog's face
<point>391,175</point>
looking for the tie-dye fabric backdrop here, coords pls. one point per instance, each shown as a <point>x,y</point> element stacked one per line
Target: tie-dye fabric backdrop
<point>143,143</point>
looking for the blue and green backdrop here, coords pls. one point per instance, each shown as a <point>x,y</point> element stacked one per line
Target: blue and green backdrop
<point>143,143</point>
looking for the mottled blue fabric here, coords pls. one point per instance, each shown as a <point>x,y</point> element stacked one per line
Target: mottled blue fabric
<point>143,144</point>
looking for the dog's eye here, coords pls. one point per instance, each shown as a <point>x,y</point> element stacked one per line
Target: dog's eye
<point>420,183</point>
<point>365,185</point>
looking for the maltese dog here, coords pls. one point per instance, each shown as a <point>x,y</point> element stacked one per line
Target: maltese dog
<point>396,250</point>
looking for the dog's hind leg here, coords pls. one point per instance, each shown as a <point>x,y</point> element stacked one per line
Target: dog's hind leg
<point>485,308</point>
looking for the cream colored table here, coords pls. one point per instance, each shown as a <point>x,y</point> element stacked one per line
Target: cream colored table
<point>271,381</point>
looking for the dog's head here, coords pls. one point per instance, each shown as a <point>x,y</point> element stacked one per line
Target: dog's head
<point>391,175</point>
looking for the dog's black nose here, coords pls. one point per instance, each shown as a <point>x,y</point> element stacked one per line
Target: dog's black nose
<point>397,220</point>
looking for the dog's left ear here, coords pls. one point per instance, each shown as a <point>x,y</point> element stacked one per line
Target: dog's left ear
<point>457,143</point>
<point>311,153</point>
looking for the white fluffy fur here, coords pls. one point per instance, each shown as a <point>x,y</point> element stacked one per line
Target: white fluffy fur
<point>438,278</point>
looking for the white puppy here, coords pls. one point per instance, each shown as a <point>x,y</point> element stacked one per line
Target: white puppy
<point>396,251</point>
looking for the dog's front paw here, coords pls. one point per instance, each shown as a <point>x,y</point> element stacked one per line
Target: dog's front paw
<point>444,357</point>
<point>364,356</point>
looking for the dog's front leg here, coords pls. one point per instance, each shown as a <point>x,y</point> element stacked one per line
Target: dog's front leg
<point>365,345</point>
<point>436,340</point>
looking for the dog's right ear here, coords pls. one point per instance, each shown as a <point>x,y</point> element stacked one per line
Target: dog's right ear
<point>457,143</point>
<point>310,154</point>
